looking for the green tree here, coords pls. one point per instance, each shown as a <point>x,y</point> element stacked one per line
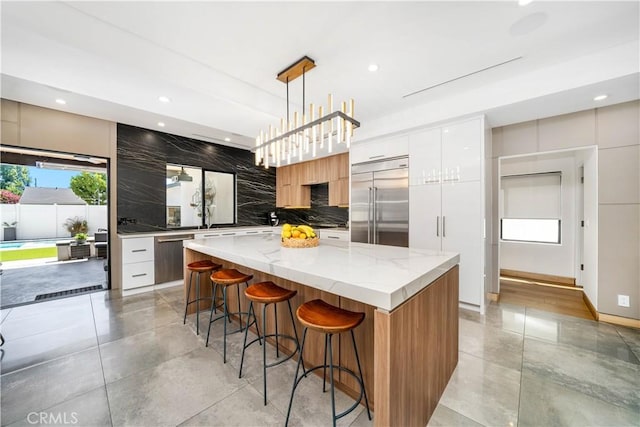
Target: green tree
<point>14,178</point>
<point>90,187</point>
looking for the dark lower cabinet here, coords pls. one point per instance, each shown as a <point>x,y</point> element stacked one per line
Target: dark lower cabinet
<point>168,254</point>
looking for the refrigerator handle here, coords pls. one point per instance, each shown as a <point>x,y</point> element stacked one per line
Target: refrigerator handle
<point>444,227</point>
<point>375,216</point>
<point>369,204</point>
<point>438,226</point>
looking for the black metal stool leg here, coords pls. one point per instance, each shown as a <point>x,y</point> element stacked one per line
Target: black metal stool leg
<point>295,378</point>
<point>246,332</point>
<point>264,350</point>
<point>226,313</point>
<point>295,332</point>
<point>186,307</point>
<point>333,392</point>
<point>239,311</point>
<point>275,311</point>
<point>364,390</point>
<point>324,369</point>
<point>198,304</point>
<point>215,296</point>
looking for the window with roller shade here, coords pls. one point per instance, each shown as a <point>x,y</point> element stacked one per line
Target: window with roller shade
<point>531,207</point>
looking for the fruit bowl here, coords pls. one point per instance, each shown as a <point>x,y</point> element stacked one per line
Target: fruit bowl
<point>298,236</point>
<point>300,243</point>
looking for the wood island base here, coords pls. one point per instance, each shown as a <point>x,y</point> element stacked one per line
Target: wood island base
<point>407,355</point>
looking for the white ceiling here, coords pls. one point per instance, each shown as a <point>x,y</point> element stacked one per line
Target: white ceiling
<point>217,61</point>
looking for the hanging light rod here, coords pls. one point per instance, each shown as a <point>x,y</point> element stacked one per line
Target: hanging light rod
<point>296,139</point>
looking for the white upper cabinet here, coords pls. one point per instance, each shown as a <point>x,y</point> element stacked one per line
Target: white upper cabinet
<point>379,149</point>
<point>462,151</point>
<point>425,154</point>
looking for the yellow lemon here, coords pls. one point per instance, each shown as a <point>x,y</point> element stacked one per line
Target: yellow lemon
<point>302,236</point>
<point>286,227</point>
<point>295,233</point>
<point>286,234</point>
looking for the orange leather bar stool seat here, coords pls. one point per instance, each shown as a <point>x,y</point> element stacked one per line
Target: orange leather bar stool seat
<point>203,266</point>
<point>198,267</point>
<point>225,278</point>
<point>230,276</point>
<point>328,319</point>
<point>266,293</point>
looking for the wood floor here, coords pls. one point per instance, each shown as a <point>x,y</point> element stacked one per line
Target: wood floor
<point>560,300</point>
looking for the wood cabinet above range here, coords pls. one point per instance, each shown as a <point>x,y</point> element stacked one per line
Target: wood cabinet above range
<point>293,182</point>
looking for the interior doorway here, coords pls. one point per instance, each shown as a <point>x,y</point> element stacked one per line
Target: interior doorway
<point>548,217</point>
<point>55,216</point>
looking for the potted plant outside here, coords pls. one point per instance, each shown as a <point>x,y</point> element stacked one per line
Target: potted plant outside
<point>81,238</point>
<point>76,225</point>
<point>9,230</point>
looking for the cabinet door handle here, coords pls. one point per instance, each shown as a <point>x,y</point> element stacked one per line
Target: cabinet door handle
<point>438,226</point>
<point>179,239</point>
<point>252,232</point>
<point>333,237</point>
<point>139,250</point>
<point>376,157</point>
<point>228,234</point>
<point>139,275</point>
<point>444,227</point>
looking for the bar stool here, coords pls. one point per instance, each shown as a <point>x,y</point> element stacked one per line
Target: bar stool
<point>204,266</point>
<point>267,293</point>
<point>329,320</point>
<point>225,278</point>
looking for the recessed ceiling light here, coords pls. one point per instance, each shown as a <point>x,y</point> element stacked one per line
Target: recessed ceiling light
<point>61,101</point>
<point>600,97</point>
<point>524,2</point>
<point>161,124</point>
<point>373,67</point>
<point>164,99</point>
<point>227,139</point>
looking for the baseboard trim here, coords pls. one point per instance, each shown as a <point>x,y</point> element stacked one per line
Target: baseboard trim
<point>590,306</point>
<point>560,280</point>
<point>619,320</point>
<point>493,297</point>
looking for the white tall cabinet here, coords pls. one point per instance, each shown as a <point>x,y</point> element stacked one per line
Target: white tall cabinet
<point>447,198</point>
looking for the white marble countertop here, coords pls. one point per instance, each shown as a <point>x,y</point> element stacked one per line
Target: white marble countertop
<point>381,276</point>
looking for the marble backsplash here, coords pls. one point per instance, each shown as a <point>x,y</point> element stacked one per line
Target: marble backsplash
<point>142,158</point>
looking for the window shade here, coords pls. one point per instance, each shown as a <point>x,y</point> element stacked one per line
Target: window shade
<point>532,196</point>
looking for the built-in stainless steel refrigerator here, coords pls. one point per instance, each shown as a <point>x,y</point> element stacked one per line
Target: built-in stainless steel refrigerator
<point>380,202</point>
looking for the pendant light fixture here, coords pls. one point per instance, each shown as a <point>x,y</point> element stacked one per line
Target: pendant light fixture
<point>309,136</point>
<point>184,176</point>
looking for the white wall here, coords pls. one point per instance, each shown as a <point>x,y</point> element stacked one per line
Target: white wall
<point>47,221</point>
<point>553,259</point>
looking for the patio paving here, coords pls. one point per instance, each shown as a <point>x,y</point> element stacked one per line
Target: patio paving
<point>21,285</point>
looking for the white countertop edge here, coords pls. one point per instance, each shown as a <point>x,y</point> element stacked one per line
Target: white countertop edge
<point>377,298</point>
<point>195,232</point>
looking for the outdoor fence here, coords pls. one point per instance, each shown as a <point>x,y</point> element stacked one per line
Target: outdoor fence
<point>47,221</point>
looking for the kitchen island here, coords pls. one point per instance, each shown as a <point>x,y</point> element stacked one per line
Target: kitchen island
<point>408,342</point>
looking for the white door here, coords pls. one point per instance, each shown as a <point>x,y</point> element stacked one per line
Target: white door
<point>462,231</point>
<point>462,151</point>
<point>425,217</point>
<point>424,157</point>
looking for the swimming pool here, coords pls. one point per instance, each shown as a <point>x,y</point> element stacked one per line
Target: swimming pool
<point>27,244</point>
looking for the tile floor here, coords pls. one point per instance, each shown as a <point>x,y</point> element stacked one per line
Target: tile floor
<point>98,360</point>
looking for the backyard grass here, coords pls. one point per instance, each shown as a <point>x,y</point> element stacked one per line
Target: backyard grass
<point>30,253</point>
